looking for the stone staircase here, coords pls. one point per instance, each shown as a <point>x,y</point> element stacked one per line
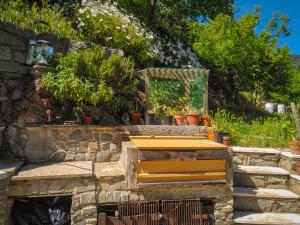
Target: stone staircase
<point>261,189</point>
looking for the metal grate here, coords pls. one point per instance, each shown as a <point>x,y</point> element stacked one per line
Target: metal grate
<point>165,212</point>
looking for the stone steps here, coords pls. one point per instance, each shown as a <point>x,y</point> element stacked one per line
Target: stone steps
<point>249,156</point>
<point>265,200</point>
<point>247,218</point>
<point>257,176</point>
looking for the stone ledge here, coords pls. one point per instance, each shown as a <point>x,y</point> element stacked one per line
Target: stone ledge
<point>290,155</point>
<point>296,177</point>
<point>10,167</point>
<point>55,171</point>
<point>266,193</point>
<point>108,170</point>
<point>266,218</point>
<point>261,170</point>
<point>250,150</point>
<point>3,175</point>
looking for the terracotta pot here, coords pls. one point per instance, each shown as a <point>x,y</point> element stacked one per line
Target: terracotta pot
<point>192,119</point>
<point>87,120</point>
<point>206,121</point>
<point>179,119</point>
<point>135,118</point>
<point>295,147</point>
<point>297,167</point>
<point>211,136</point>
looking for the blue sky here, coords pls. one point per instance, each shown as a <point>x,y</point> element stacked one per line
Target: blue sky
<point>268,7</point>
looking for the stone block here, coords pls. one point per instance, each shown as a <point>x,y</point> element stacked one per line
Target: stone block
<point>124,197</point>
<point>25,70</point>
<point>103,156</point>
<point>80,157</point>
<point>110,197</point>
<point>117,196</point>
<point>12,40</point>
<point>113,148</point>
<point>5,53</point>
<point>105,146</point>
<point>88,198</point>
<point>20,56</point>
<point>93,147</point>
<point>10,67</point>
<point>89,211</point>
<point>103,137</point>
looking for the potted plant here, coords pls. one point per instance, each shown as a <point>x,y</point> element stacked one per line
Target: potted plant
<point>192,116</point>
<point>178,111</point>
<point>295,143</point>
<point>135,114</point>
<point>226,141</point>
<point>150,114</point>
<point>206,120</point>
<point>87,118</point>
<point>168,115</point>
<point>219,131</point>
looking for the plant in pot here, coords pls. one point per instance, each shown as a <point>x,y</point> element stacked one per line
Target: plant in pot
<point>135,114</point>
<point>178,111</point>
<point>150,114</point>
<point>206,120</point>
<point>211,134</point>
<point>87,118</point>
<point>219,131</point>
<point>192,116</point>
<point>168,115</point>
<point>295,143</point>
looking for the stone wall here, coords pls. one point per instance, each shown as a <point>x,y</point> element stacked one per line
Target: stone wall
<point>16,80</point>
<point>81,143</point>
<point>82,190</point>
<point>3,197</point>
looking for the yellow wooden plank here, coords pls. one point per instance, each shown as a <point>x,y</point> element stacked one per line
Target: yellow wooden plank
<point>161,144</point>
<point>151,178</point>
<point>173,166</point>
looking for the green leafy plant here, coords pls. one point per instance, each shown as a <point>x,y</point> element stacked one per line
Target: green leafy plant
<point>261,132</point>
<point>87,77</point>
<point>39,19</point>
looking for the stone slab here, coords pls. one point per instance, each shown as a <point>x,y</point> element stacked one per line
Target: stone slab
<point>290,155</point>
<point>3,175</point>
<point>250,150</point>
<point>165,130</point>
<point>264,193</point>
<point>296,177</point>
<point>109,169</point>
<point>266,218</point>
<point>10,167</point>
<point>261,170</point>
<point>55,171</point>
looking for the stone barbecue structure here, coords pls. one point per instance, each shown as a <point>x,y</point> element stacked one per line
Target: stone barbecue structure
<point>97,166</point>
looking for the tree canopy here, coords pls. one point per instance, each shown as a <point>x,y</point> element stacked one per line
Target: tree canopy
<point>243,59</point>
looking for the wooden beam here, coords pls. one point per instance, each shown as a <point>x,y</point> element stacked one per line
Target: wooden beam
<point>172,166</point>
<point>151,178</point>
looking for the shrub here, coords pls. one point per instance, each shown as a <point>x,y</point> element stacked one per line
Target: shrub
<point>38,19</point>
<point>274,131</point>
<point>87,77</point>
<point>114,31</point>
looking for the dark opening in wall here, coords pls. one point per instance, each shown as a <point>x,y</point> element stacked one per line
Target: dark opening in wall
<point>42,211</point>
<point>159,212</point>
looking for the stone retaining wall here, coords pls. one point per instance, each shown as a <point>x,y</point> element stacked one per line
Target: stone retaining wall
<point>248,159</point>
<point>82,143</point>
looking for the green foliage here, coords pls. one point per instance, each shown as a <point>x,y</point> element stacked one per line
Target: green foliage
<point>241,58</point>
<point>114,32</point>
<point>172,15</point>
<point>261,132</point>
<point>87,77</point>
<point>38,19</point>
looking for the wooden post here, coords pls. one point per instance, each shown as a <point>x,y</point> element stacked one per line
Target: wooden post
<point>205,104</point>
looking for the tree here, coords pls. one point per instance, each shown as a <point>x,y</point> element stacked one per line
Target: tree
<point>172,15</point>
<point>241,58</point>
